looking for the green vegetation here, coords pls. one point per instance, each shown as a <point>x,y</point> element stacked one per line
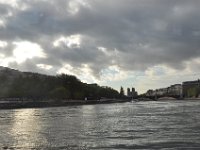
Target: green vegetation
<point>36,87</point>
<point>192,92</point>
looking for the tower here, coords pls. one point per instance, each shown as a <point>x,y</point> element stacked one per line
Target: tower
<point>128,92</point>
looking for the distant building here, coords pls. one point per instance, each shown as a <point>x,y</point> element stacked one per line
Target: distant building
<point>175,90</point>
<point>128,92</point>
<point>191,88</point>
<point>161,92</point>
<point>132,93</point>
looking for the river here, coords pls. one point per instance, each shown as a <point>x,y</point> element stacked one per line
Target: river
<point>137,125</point>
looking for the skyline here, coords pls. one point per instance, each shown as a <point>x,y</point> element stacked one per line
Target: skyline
<point>146,44</point>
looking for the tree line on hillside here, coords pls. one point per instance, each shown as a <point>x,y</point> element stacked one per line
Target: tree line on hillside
<point>36,86</point>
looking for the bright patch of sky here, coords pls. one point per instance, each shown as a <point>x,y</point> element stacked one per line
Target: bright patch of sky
<point>27,50</point>
<point>44,66</point>
<point>113,73</point>
<point>74,6</point>
<point>72,41</point>
<point>83,72</point>
<point>2,23</point>
<point>3,44</point>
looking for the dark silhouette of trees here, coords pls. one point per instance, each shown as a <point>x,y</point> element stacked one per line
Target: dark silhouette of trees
<point>36,86</point>
<point>59,93</point>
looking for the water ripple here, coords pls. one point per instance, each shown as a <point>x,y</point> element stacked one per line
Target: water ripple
<point>142,125</point>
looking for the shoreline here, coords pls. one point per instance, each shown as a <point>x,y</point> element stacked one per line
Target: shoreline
<point>46,104</point>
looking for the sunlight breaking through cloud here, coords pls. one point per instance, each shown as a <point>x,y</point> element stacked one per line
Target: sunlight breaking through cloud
<point>72,41</point>
<point>27,50</point>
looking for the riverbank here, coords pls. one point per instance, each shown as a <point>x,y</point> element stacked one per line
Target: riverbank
<point>43,104</point>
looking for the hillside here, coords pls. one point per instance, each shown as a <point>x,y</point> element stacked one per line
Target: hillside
<point>28,85</point>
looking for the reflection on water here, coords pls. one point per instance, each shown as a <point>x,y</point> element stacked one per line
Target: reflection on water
<point>141,125</point>
<point>25,128</point>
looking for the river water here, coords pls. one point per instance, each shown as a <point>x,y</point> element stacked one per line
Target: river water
<point>138,125</point>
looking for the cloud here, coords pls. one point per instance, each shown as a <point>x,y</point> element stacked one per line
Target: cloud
<point>111,38</point>
<point>3,44</point>
<point>72,41</point>
<point>44,66</point>
<point>27,50</point>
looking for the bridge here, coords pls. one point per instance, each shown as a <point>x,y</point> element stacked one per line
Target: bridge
<point>164,96</point>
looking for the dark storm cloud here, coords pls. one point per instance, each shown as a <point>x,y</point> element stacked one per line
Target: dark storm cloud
<point>144,33</point>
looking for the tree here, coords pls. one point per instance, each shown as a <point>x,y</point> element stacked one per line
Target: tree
<point>79,95</point>
<point>60,93</point>
<point>34,86</point>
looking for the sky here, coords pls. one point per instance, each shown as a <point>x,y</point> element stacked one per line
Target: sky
<point>146,44</point>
